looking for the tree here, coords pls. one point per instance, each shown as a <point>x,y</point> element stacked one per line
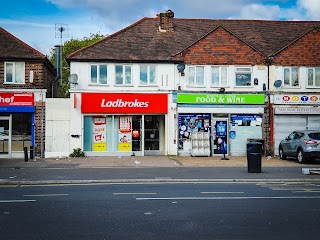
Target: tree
<point>69,47</point>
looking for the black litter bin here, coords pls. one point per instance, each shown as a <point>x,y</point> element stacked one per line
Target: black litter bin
<point>254,152</point>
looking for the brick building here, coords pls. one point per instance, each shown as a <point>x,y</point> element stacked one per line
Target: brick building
<point>25,83</point>
<point>216,79</point>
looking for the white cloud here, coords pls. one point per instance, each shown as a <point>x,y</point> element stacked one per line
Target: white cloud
<point>257,11</point>
<point>312,7</point>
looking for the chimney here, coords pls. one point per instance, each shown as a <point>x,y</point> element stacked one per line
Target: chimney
<point>166,21</point>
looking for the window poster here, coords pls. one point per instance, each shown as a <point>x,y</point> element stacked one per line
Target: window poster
<point>220,137</point>
<point>99,134</point>
<point>191,123</point>
<point>125,133</point>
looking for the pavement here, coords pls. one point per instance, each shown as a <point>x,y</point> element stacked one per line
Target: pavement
<point>135,169</point>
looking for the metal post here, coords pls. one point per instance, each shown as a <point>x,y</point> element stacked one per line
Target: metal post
<point>25,149</point>
<point>31,152</point>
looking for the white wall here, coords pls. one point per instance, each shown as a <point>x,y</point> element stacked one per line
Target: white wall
<point>57,128</point>
<point>164,78</point>
<point>167,78</point>
<point>276,73</point>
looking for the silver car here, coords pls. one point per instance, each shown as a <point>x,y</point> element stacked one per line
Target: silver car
<point>303,145</point>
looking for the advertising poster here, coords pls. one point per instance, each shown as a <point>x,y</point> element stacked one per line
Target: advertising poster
<point>220,137</point>
<point>191,123</point>
<point>125,135</point>
<point>99,134</point>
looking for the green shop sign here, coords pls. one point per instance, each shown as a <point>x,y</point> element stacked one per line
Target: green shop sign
<point>220,98</point>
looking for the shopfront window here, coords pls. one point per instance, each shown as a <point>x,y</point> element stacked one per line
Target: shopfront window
<point>189,124</point>
<point>21,131</point>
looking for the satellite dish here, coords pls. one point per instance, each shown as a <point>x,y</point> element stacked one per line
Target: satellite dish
<point>181,67</point>
<point>277,83</point>
<point>73,78</point>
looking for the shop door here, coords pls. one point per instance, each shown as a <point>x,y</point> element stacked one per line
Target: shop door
<point>219,136</point>
<point>136,133</point>
<point>5,135</point>
<point>152,134</point>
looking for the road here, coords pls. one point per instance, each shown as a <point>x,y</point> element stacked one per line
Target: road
<point>161,211</point>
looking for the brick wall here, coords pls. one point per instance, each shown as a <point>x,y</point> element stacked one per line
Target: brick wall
<point>37,69</point>
<point>39,127</point>
<point>303,52</point>
<point>222,48</point>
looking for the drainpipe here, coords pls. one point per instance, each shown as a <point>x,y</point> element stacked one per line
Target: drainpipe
<point>269,61</point>
<point>58,56</point>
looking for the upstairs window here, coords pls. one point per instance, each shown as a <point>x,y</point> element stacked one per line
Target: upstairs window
<point>196,76</point>
<point>123,75</point>
<point>313,77</point>
<point>14,72</point>
<point>291,76</point>
<point>243,76</point>
<point>99,74</point>
<point>219,76</point>
<point>147,75</point>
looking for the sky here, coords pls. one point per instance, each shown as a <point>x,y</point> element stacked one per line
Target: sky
<point>36,22</point>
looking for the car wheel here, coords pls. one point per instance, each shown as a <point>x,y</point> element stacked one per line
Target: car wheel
<point>281,155</point>
<point>300,156</point>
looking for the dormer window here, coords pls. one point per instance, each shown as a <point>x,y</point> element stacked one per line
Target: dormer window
<point>14,72</point>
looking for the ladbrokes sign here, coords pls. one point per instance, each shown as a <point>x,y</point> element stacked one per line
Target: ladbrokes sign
<point>124,103</point>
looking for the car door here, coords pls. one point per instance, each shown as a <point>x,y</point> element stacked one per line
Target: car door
<point>287,144</point>
<point>295,143</point>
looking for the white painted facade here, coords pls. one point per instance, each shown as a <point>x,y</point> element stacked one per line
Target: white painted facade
<point>66,114</point>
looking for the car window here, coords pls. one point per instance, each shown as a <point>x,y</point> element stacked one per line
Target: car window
<point>291,136</point>
<point>298,135</point>
<point>315,135</point>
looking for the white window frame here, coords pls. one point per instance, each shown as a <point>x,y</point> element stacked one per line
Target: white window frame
<point>243,70</point>
<point>195,81</point>
<point>290,77</point>
<point>14,73</point>
<point>124,66</point>
<point>313,69</point>
<point>148,83</point>
<point>98,74</point>
<point>220,83</point>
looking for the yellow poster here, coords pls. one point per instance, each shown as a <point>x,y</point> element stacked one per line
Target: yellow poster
<point>100,147</point>
<point>125,142</point>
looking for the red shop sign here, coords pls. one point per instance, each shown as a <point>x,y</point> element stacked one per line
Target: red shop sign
<point>124,103</point>
<point>16,99</point>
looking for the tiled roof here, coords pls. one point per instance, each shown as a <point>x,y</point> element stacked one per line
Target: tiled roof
<point>13,48</point>
<point>142,41</point>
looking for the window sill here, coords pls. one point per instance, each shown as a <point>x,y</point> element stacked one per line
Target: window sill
<point>13,83</point>
<point>244,86</point>
<point>291,87</point>
<point>196,86</point>
<point>147,85</point>
<point>98,85</point>
<point>215,86</point>
<point>123,85</point>
<point>311,87</point>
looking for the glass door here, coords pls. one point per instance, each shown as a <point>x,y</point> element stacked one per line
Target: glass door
<point>5,143</point>
<point>136,133</point>
<point>220,136</point>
